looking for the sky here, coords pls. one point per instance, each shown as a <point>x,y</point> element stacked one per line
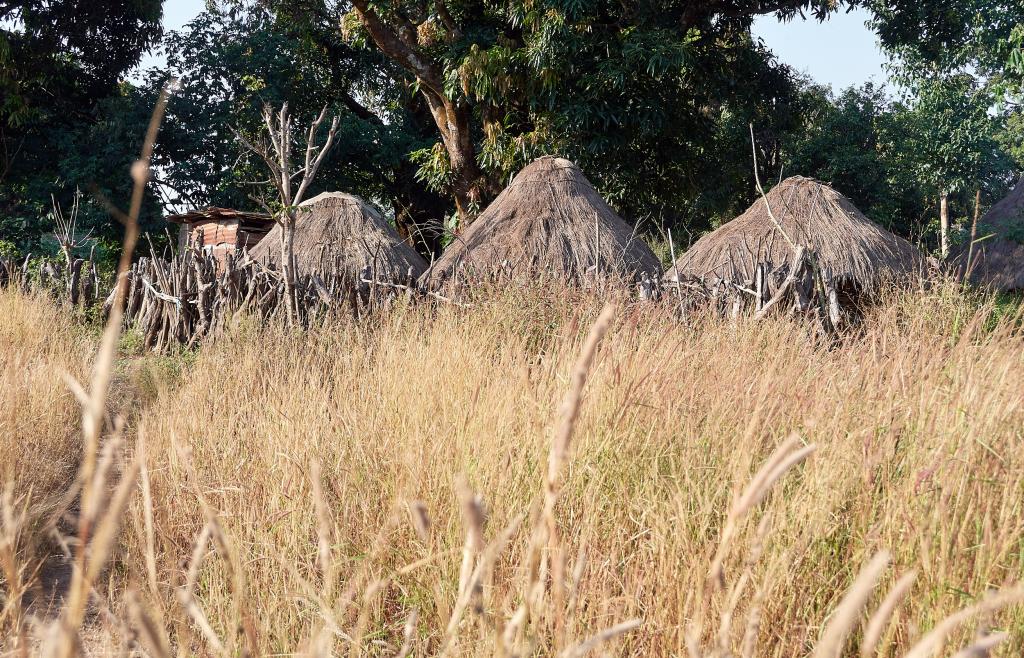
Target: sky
<point>840,52</point>
<point>176,14</point>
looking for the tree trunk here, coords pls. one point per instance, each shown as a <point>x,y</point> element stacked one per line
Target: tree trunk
<point>453,119</point>
<point>944,224</point>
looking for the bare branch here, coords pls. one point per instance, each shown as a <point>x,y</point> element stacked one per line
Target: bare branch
<point>314,166</point>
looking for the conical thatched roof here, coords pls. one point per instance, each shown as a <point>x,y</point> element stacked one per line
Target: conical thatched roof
<point>340,234</point>
<point>998,257</point>
<point>549,221</point>
<point>850,248</point>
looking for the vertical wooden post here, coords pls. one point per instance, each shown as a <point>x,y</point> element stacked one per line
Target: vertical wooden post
<point>759,274</point>
<point>944,224</point>
<point>675,268</point>
<point>974,234</point>
<point>834,314</point>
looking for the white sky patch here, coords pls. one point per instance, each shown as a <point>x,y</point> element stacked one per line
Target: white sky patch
<point>840,52</point>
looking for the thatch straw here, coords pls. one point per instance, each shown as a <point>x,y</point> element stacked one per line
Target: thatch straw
<point>549,221</point>
<point>849,247</point>
<point>339,234</point>
<point>997,260</point>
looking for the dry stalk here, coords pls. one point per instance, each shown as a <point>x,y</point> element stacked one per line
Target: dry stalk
<point>92,552</point>
<point>556,460</point>
<point>784,458</point>
<point>739,588</point>
<point>186,591</point>
<point>930,643</point>
<point>147,509</point>
<point>981,648</point>
<point>848,613</point>
<point>148,632</point>
<point>750,635</point>
<point>408,635</point>
<point>473,514</point>
<point>604,636</point>
<point>355,648</point>
<point>883,615</point>
<point>324,534</point>
<point>237,582</point>
<point>471,590</point>
<point>13,516</point>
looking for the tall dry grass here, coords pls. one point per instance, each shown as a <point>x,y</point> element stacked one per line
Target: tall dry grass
<point>350,487</point>
<point>40,343</point>
<point>514,478</point>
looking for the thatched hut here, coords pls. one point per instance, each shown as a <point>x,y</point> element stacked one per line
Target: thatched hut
<point>342,235</point>
<point>549,222</point>
<point>853,252</point>
<point>997,259</point>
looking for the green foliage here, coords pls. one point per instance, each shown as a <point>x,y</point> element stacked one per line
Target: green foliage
<point>847,141</point>
<point>231,63</point>
<point>653,100</point>
<point>1011,138</point>
<point>1014,231</point>
<point>981,37</point>
<point>65,119</point>
<point>433,167</point>
<point>228,68</point>
<point>950,134</point>
<point>894,158</point>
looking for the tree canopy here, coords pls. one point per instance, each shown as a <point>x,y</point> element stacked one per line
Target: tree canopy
<point>441,101</point>
<point>67,119</point>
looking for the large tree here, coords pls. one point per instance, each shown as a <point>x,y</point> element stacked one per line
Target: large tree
<point>652,99</point>
<point>231,64</point>
<point>952,141</point>
<point>901,160</point>
<point>66,118</point>
<point>963,67</point>
<point>982,37</point>
<point>501,79</point>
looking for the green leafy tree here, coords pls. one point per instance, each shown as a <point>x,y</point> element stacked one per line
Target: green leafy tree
<point>857,141</point>
<point>897,159</point>
<point>652,100</point>
<point>503,80</point>
<point>982,37</point>
<point>839,142</point>
<point>952,141</point>
<point>66,119</point>
<point>231,64</point>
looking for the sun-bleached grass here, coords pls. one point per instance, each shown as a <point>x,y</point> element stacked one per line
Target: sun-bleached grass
<point>917,422</point>
<point>39,418</point>
<point>388,486</point>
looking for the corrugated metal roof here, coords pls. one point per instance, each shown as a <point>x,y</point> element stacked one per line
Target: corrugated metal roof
<point>213,213</point>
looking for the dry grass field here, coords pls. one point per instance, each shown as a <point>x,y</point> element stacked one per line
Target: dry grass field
<point>398,486</point>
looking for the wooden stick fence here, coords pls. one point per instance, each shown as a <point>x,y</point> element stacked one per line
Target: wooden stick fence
<point>791,286</point>
<point>192,295</point>
<point>77,282</point>
<point>189,295</point>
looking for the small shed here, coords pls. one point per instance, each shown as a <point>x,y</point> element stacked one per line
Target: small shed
<point>221,231</point>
